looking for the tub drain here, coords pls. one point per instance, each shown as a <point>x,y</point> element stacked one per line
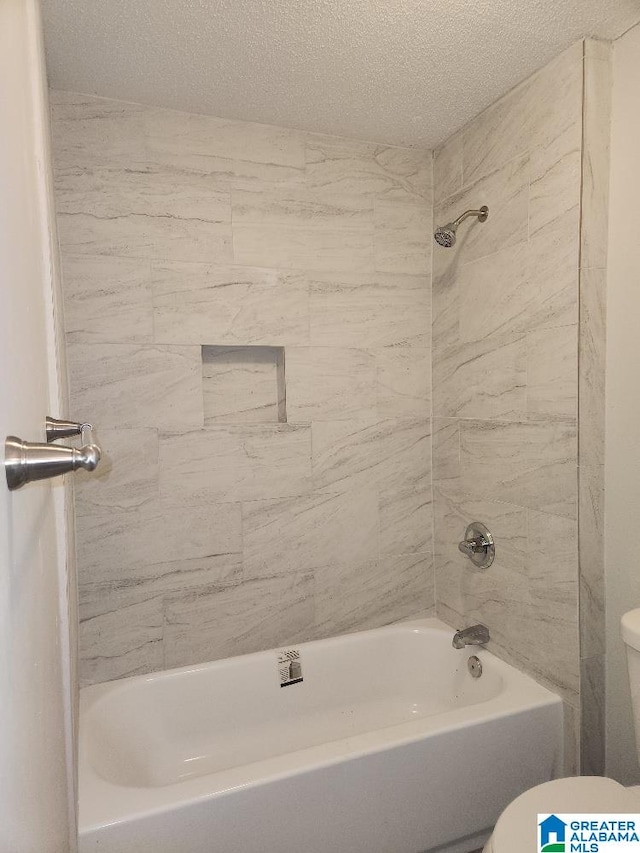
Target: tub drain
<point>475,666</point>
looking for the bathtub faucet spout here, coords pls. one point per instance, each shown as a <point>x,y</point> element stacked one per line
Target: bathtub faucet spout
<point>476,635</point>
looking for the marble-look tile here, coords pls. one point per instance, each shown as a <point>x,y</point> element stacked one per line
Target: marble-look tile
<point>233,151</point>
<point>306,532</point>
<point>141,189</point>
<point>571,739</point>
<point>86,233</point>
<point>595,48</point>
<point>595,159</point>
<point>400,238</point>
<point>554,189</point>
<point>506,192</point>
<point>531,464</point>
<point>528,286</point>
<point>228,463</point>
<point>124,385</point>
<point>528,598</point>
<point>127,476</point>
<point>553,271</point>
<point>543,110</point>
<point>241,385</point>
<point>304,247</point>
<point>296,208</point>
<point>507,522</point>
<point>228,305</point>
<point>404,382</point>
<point>107,299</point>
<point>446,449</point>
<point>124,640</point>
<point>592,716</point>
<point>147,211</point>
<point>552,371</point>
<point>222,621</point>
<point>149,541</point>
<point>370,311</point>
<point>406,525</point>
<point>495,295</point>
<point>593,342</point>
<point>368,595</point>
<point>447,169</point>
<point>592,584</point>
<point>89,132</point>
<point>386,455</point>
<point>122,621</point>
<point>484,379</point>
<point>338,167</point>
<point>330,384</point>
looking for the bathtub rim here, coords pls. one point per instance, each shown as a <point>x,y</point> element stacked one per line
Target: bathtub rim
<point>103,803</point>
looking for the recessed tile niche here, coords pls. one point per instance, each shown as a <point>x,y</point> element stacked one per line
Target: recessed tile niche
<point>244,384</point>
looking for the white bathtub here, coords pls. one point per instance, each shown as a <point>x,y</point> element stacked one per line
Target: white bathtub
<point>387,745</point>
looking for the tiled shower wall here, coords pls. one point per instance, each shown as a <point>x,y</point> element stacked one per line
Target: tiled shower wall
<point>515,313</point>
<point>248,325</point>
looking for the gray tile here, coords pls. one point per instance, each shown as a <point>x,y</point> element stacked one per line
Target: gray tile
<point>304,247</point>
<point>399,237</point>
<point>89,132</point>
<point>406,524</point>
<point>403,382</point>
<point>242,385</point>
<point>338,167</point>
<point>227,305</point>
<point>107,299</point>
<point>593,342</point>
<point>481,379</point>
<point>552,371</point>
<point>592,716</point>
<point>595,162</point>
<point>326,383</point>
<point>148,541</point>
<point>308,531</point>
<point>530,464</point>
<point>592,578</point>
<point>544,110</point>
<point>222,621</point>
<point>229,463</point>
<point>127,476</point>
<point>506,192</point>
<point>387,455</point>
<point>358,597</point>
<point>370,311</point>
<point>447,169</point>
<point>127,385</point>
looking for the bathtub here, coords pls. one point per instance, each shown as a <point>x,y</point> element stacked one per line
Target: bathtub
<point>378,742</point>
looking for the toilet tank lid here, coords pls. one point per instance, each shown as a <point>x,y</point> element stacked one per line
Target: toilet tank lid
<point>631,628</point>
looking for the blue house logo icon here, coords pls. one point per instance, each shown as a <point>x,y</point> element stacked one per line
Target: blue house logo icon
<point>552,833</point>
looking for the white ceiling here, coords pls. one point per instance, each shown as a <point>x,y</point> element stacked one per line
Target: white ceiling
<point>404,72</point>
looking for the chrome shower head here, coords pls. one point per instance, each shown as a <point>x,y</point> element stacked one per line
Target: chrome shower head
<point>445,235</point>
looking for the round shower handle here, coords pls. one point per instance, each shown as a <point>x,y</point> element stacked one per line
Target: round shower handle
<point>478,545</point>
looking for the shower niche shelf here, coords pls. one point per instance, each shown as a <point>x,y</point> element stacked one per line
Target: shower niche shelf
<point>243,385</point>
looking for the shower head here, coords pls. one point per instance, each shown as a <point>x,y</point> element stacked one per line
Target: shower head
<point>445,235</point>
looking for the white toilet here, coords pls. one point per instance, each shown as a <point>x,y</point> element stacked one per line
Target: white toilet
<point>516,828</point>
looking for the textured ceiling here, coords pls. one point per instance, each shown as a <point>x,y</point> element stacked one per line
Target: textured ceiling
<point>405,72</point>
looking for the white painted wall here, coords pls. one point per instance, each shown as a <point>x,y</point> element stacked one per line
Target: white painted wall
<point>622,469</point>
<point>37,799</point>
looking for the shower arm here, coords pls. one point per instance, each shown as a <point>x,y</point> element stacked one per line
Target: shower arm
<point>481,214</point>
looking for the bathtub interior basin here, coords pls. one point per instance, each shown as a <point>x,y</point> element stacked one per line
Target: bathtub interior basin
<point>202,720</point>
<point>374,747</point>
